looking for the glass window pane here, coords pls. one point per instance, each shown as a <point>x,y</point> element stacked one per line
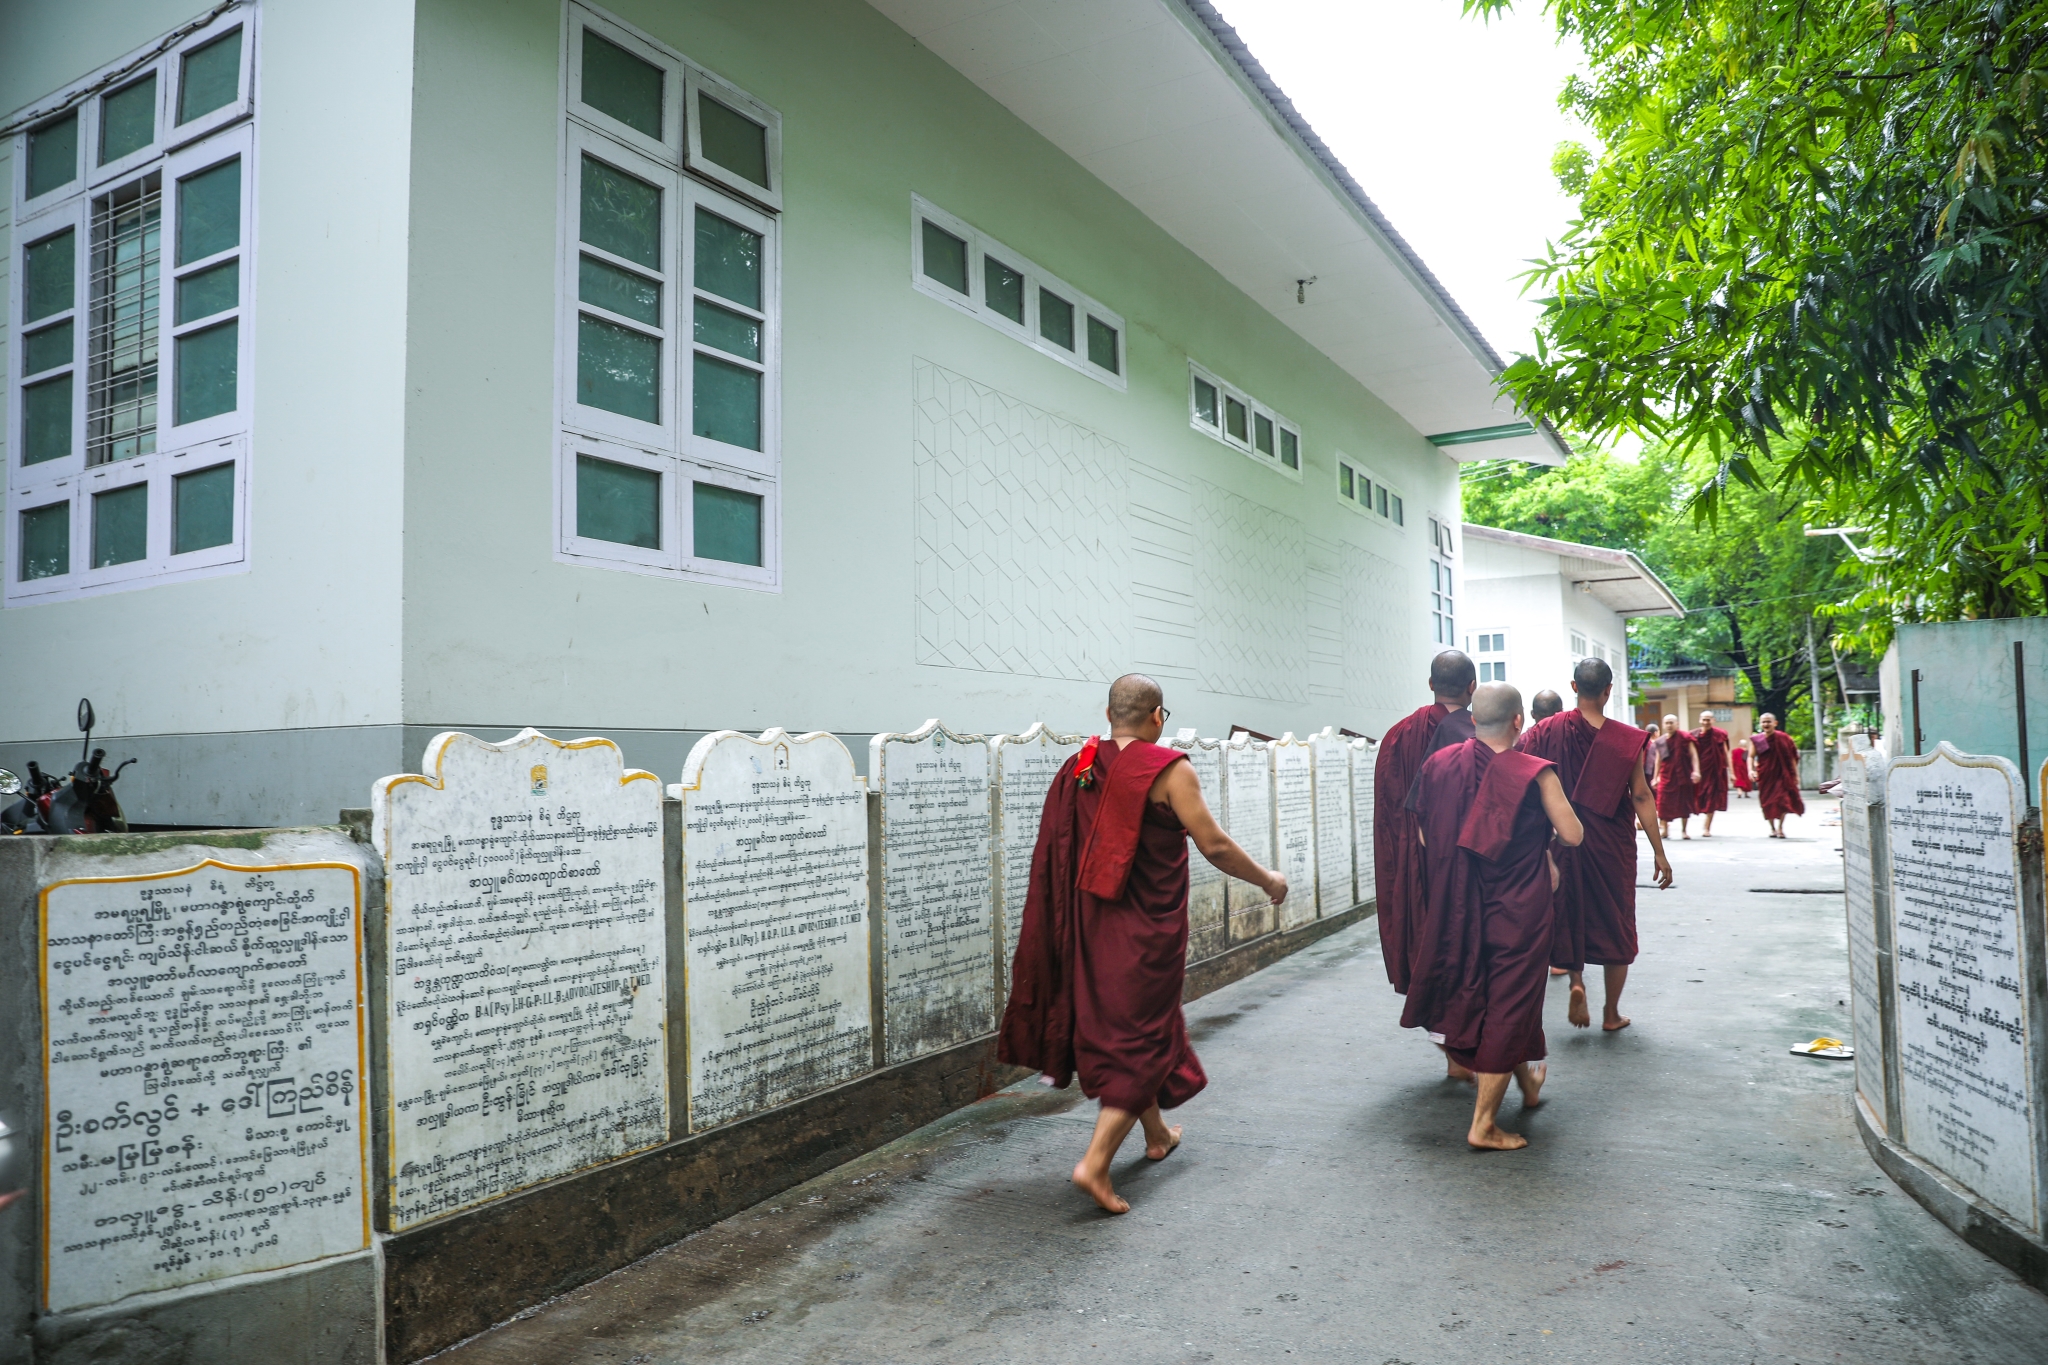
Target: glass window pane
<point>1344,479</point>
<point>210,211</point>
<point>46,541</point>
<point>621,214</point>
<point>128,120</point>
<point>213,290</point>
<point>1383,499</point>
<point>212,77</point>
<point>1205,401</point>
<point>1003,288</point>
<point>1290,449</point>
<point>203,509</point>
<point>728,331</point>
<point>206,372</point>
<point>49,270</point>
<point>1262,433</point>
<point>728,260</point>
<point>620,291</point>
<point>121,338</point>
<point>53,155</point>
<point>47,349</point>
<point>618,502</point>
<point>1102,344</point>
<point>732,140</point>
<point>726,524</point>
<point>120,526</point>
<point>945,257</point>
<point>46,420</point>
<point>1397,513</point>
<point>1234,418</point>
<point>618,369</point>
<point>1056,319</point>
<point>618,83</point>
<point>1365,491</point>
<point>725,402</point>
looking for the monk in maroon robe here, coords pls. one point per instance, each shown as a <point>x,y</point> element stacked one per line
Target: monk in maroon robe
<point>1777,773</point>
<point>1678,776</point>
<point>1102,948</point>
<point>1738,764</point>
<point>1600,762</point>
<point>1711,794</point>
<point>1482,948</point>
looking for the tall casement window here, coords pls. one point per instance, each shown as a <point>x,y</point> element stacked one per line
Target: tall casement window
<point>1442,590</point>
<point>670,340</point>
<point>128,335</point>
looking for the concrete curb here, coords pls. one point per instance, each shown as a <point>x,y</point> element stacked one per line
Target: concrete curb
<point>1963,1213</point>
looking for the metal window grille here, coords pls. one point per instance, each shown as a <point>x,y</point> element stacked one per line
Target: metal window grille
<point>127,235</point>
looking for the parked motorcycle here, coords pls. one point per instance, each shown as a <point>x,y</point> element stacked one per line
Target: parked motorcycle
<point>83,803</point>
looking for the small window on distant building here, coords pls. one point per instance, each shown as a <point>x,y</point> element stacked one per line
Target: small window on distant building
<point>1578,646</point>
<point>1102,345</point>
<point>1056,319</point>
<point>945,257</point>
<point>1003,289</point>
<point>1344,480</point>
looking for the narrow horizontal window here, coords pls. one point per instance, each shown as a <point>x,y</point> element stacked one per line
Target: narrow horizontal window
<point>733,333</point>
<point>1262,433</point>
<point>618,502</point>
<point>211,78</point>
<point>734,141</point>
<point>128,120</point>
<point>617,83</point>
<point>618,369</point>
<point>1382,494</point>
<point>1290,449</point>
<point>210,212</point>
<point>120,526</point>
<point>1234,419</point>
<point>206,292</point>
<point>619,291</point>
<point>1003,288</point>
<point>1399,520</point>
<point>1102,344</point>
<point>53,156</point>
<point>46,541</point>
<point>1205,402</point>
<point>725,524</point>
<point>945,257</point>
<point>203,509</point>
<point>1056,319</point>
<point>49,275</point>
<point>207,366</point>
<point>47,349</point>
<point>621,214</point>
<point>46,420</point>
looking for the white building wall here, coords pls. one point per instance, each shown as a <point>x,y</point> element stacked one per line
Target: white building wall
<point>1520,592</point>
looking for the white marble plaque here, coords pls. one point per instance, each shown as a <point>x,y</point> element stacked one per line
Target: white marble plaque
<point>1208,933</point>
<point>1294,827</point>
<point>1023,767</point>
<point>938,894</point>
<point>1959,966</point>
<point>205,1048</point>
<point>1365,757</point>
<point>525,1023</point>
<point>1862,803</point>
<point>1333,822</point>
<point>1248,818</point>
<point>775,921</point>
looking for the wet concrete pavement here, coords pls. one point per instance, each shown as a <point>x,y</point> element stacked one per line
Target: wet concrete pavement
<point>1691,1193</point>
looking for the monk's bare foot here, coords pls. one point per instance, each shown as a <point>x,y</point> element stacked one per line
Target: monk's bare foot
<point>1456,1072</point>
<point>1576,1012</point>
<point>1532,1087</point>
<point>1159,1151</point>
<point>1493,1138</point>
<point>1614,1023</point>
<point>1097,1187</point>
<point>1559,971</point>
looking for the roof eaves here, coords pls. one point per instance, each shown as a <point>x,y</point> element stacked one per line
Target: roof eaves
<point>1598,553</point>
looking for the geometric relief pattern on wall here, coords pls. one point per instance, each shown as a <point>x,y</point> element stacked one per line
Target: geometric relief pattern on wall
<point>1250,597</point>
<point>1378,603</point>
<point>1325,620</point>
<point>1023,554</point>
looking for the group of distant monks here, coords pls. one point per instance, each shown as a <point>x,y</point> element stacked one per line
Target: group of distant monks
<point>1502,853</point>
<point>1692,771</point>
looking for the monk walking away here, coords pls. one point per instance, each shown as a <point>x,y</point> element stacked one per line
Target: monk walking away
<point>1397,857</point>
<point>1482,950</point>
<point>1776,768</point>
<point>1600,763</point>
<point>1710,794</point>
<point>1678,778</point>
<point>1102,949</point>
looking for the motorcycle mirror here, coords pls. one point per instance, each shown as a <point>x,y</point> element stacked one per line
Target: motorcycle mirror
<point>85,716</point>
<point>10,785</point>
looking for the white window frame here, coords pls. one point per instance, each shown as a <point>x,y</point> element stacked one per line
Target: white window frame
<point>1363,498</point>
<point>974,303</point>
<point>1492,660</point>
<point>670,447</point>
<point>1226,393</point>
<point>1443,624</point>
<point>174,152</point>
<point>1575,641</point>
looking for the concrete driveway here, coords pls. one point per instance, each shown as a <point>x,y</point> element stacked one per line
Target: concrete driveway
<point>1691,1193</point>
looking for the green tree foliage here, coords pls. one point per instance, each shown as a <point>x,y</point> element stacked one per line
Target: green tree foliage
<point>1814,245</point>
<point>1750,577</point>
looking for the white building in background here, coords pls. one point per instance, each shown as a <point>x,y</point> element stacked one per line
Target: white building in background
<point>1534,607</point>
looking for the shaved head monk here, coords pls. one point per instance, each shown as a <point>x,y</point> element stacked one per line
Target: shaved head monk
<point>1711,794</point>
<point>1776,769</point>
<point>1544,705</point>
<point>1678,778</point>
<point>1397,857</point>
<point>1482,949</point>
<point>1102,949</point>
<point>1600,762</point>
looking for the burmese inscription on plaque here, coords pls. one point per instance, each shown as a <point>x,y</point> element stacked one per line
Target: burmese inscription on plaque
<point>1248,818</point>
<point>1294,827</point>
<point>1960,963</point>
<point>1333,822</point>
<point>1207,932</point>
<point>205,1062</point>
<point>525,1026</point>
<point>1024,767</point>
<point>1365,757</point>
<point>775,921</point>
<point>1862,776</point>
<point>938,901</point>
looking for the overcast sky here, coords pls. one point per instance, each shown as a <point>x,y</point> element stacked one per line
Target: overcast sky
<point>1449,124</point>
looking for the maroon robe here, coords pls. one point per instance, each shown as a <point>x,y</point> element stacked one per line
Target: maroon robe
<point>1482,948</point>
<point>1712,792</point>
<point>1397,854</point>
<point>1596,895</point>
<point>1674,776</point>
<point>1102,950</point>
<point>1777,775</point>
<point>1739,761</point>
